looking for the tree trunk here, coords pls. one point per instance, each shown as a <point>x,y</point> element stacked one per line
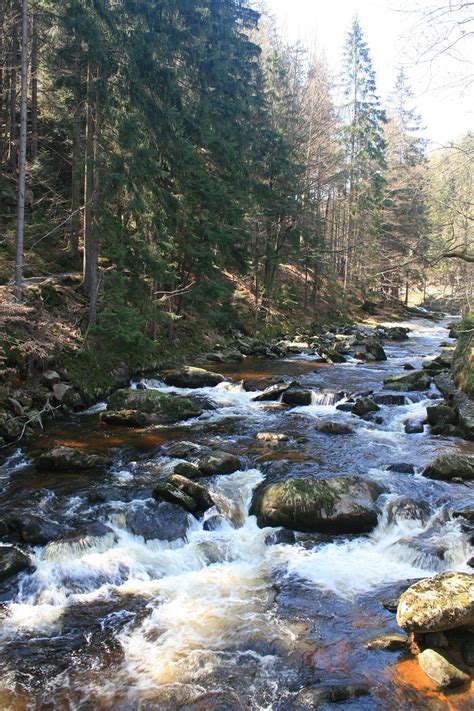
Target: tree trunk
<point>88,258</point>
<point>12,112</point>
<point>22,156</point>
<point>76,178</point>
<point>34,84</point>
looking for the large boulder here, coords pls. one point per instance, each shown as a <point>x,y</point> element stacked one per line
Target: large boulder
<point>437,604</point>
<point>411,380</point>
<point>273,392</point>
<point>450,466</point>
<point>191,377</point>
<point>32,530</point>
<point>68,459</point>
<point>12,561</point>
<point>336,505</point>
<point>159,408</point>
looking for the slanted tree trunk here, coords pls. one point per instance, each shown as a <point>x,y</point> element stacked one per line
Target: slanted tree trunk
<point>34,84</point>
<point>22,156</point>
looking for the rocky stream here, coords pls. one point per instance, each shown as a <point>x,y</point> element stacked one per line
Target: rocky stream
<point>245,546</point>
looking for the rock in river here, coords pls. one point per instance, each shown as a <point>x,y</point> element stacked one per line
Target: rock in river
<point>364,406</point>
<point>412,380</point>
<point>437,604</point>
<point>157,407</point>
<point>190,377</point>
<point>450,466</point>
<point>12,561</point>
<point>343,504</point>
<point>69,459</point>
<point>334,428</point>
<point>179,490</point>
<point>219,463</point>
<point>441,669</point>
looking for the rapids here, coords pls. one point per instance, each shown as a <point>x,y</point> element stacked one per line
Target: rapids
<point>217,613</point>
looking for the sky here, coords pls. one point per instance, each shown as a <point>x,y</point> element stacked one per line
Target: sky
<point>395,36</point>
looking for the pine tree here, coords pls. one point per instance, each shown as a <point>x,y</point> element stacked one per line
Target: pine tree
<point>364,144</point>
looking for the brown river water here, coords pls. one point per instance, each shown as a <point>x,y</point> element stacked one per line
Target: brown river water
<point>122,612</point>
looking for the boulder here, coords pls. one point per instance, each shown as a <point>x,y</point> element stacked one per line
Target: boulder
<point>251,385</point>
<point>413,427</point>
<point>50,378</point>
<point>442,669</point>
<point>66,395</point>
<point>437,604</point>
<point>159,408</point>
<point>388,642</point>
<point>157,521</point>
<point>401,468</point>
<point>197,491</point>
<point>450,466</point>
<point>12,561</point>
<point>375,349</point>
<point>274,392</point>
<point>390,399</point>
<point>397,333</point>
<point>33,530</point>
<point>295,397</point>
<point>334,428</point>
<point>332,505</point>
<point>364,406</point>
<point>412,380</point>
<point>10,427</point>
<point>219,463</point>
<point>124,418</point>
<point>67,459</point>
<point>190,471</point>
<point>164,491</point>
<point>442,419</point>
<point>190,377</point>
<point>325,695</point>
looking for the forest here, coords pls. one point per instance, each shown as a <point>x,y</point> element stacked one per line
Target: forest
<point>181,161</point>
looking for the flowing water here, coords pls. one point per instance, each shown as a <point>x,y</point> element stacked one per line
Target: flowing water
<point>135,606</point>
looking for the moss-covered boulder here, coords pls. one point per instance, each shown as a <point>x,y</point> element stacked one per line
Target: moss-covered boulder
<point>219,463</point>
<point>336,505</point>
<point>69,459</point>
<point>190,377</point>
<point>159,408</point>
<point>364,406</point>
<point>124,418</point>
<point>411,380</point>
<point>437,604</point>
<point>450,466</point>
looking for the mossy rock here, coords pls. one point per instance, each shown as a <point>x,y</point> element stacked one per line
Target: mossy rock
<point>336,505</point>
<point>160,408</point>
<point>411,380</point>
<point>436,604</point>
<point>463,359</point>
<point>450,466</point>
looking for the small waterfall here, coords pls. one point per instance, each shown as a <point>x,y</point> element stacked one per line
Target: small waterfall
<point>326,399</point>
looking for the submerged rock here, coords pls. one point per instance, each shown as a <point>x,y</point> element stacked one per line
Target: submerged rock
<point>333,505</point>
<point>437,604</point>
<point>319,695</point>
<point>69,459</point>
<point>159,408</point>
<point>401,468</point>
<point>124,418</point>
<point>388,642</point>
<point>12,561</point>
<point>190,377</point>
<point>442,669</point>
<point>412,380</point>
<point>272,437</point>
<point>414,427</point>
<point>450,466</point>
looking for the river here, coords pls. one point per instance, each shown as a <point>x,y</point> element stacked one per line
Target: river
<point>231,616</point>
